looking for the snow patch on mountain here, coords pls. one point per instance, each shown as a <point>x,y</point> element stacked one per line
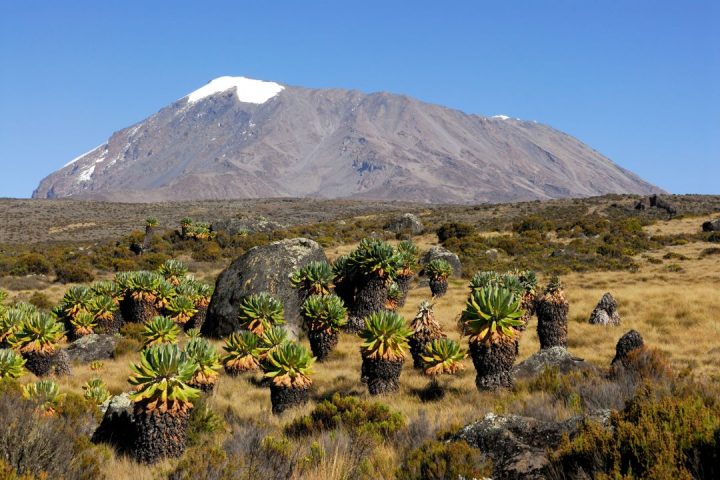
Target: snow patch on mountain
<point>248,90</point>
<point>86,174</point>
<point>81,156</point>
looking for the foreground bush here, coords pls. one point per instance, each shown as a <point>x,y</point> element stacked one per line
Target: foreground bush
<point>354,415</point>
<point>673,433</point>
<point>33,446</point>
<point>439,461</point>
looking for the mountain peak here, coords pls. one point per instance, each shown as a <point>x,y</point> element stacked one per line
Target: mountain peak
<point>248,90</point>
<point>333,144</point>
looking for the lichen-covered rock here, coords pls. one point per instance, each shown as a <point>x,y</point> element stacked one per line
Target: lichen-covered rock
<point>554,357</point>
<point>407,223</point>
<point>605,313</point>
<point>266,268</point>
<point>518,446</point>
<point>92,347</point>
<point>445,254</point>
<point>116,427</point>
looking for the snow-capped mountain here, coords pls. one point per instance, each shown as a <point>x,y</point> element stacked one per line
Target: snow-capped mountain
<point>241,138</point>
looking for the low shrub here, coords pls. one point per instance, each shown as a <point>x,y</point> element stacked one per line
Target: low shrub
<point>444,460</point>
<point>659,434</point>
<point>355,415</point>
<point>454,230</point>
<point>79,272</point>
<point>31,264</point>
<point>47,447</point>
<point>40,300</point>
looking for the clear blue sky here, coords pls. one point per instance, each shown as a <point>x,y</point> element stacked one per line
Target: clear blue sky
<point>637,80</point>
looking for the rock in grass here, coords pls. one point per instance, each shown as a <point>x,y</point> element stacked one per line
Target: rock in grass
<point>266,268</point>
<point>555,358</point>
<point>519,446</point>
<point>92,347</point>
<point>605,313</point>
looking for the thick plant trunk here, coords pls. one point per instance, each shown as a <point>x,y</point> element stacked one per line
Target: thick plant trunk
<point>112,326</point>
<point>404,282</point>
<point>552,323</point>
<point>417,345</point>
<point>204,387</point>
<point>322,343</point>
<point>527,303</point>
<point>370,298</point>
<point>284,398</point>
<point>493,363</point>
<point>382,376</point>
<point>147,241</point>
<point>38,363</point>
<point>438,286</point>
<point>137,311</point>
<point>159,435</point>
<point>345,290</point>
<point>197,320</point>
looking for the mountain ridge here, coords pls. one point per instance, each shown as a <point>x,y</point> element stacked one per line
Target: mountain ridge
<point>333,143</point>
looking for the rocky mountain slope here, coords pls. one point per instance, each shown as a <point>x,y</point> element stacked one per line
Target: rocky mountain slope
<point>243,138</point>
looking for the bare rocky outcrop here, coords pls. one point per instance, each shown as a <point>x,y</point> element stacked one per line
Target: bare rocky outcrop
<point>551,358</point>
<point>518,446</point>
<point>266,268</point>
<point>605,313</point>
<point>660,203</point>
<point>92,347</point>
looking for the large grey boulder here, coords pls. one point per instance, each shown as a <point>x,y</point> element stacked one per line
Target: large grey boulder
<point>445,254</point>
<point>266,268</point>
<point>518,446</point>
<point>92,347</point>
<point>554,358</point>
<point>407,223</point>
<point>711,226</point>
<point>605,313</point>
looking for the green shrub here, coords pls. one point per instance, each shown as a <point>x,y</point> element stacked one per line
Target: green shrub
<point>74,273</point>
<point>206,252</point>
<point>435,460</point>
<point>659,434</point>
<point>355,415</point>
<point>31,263</point>
<point>40,300</point>
<point>454,230</point>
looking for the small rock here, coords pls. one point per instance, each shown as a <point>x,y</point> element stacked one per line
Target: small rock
<point>61,364</point>
<point>605,313</point>
<point>711,226</point>
<point>408,223</point>
<point>554,357</point>
<point>491,253</point>
<point>445,254</point>
<point>92,347</point>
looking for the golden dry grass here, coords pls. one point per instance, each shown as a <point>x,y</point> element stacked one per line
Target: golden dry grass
<point>675,311</point>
